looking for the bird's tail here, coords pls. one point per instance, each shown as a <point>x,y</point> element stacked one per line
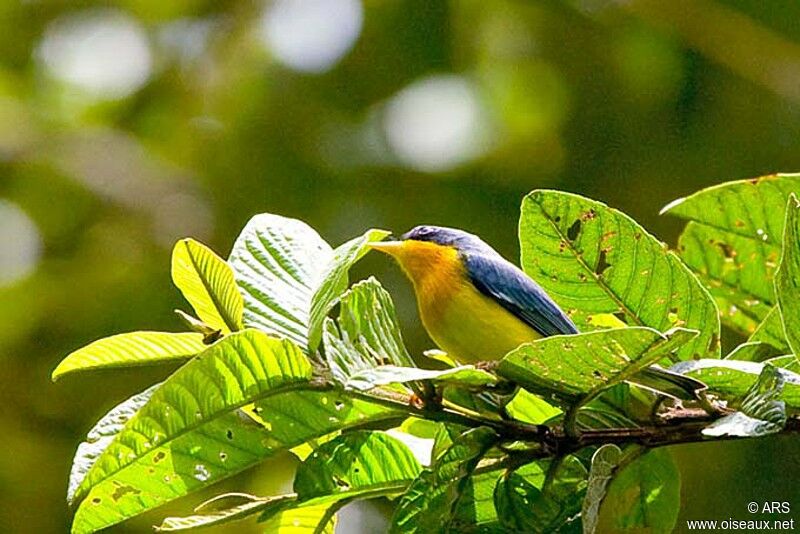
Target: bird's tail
<point>669,383</point>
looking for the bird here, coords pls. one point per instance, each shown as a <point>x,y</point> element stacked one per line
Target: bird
<point>477,306</point>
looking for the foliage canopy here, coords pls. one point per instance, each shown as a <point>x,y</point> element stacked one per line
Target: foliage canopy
<point>283,353</point>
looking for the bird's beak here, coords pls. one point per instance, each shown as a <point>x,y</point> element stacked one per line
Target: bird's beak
<point>387,247</point>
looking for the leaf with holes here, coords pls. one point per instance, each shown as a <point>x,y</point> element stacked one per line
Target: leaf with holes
<point>430,502</point>
<point>760,413</point>
<point>182,428</point>
<point>593,259</point>
<point>131,350</point>
<point>334,280</point>
<point>787,283</point>
<point>366,334</point>
<point>733,378</point>
<point>733,243</point>
<point>278,264</point>
<point>354,463</point>
<point>101,435</point>
<point>207,283</point>
<point>570,367</point>
<point>643,496</point>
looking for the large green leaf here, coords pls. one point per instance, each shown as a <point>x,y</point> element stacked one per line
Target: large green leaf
<point>572,366</point>
<point>530,505</point>
<point>787,283</point>
<point>604,462</point>
<point>596,260</point>
<point>366,334</point>
<point>430,502</point>
<point>334,280</point>
<point>278,264</point>
<point>101,435</point>
<point>465,376</point>
<point>355,462</point>
<point>733,242</point>
<point>643,496</point>
<point>131,349</point>
<point>306,519</point>
<point>760,413</point>
<point>733,378</point>
<point>207,283</point>
<point>179,429</point>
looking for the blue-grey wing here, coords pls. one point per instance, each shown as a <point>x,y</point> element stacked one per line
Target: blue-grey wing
<point>518,293</point>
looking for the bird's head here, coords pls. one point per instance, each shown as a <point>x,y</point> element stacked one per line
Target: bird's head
<point>424,248</point>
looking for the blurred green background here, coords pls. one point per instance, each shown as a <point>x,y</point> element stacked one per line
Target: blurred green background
<point>128,124</point>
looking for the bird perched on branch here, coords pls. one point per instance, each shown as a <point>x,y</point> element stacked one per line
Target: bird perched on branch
<point>477,306</point>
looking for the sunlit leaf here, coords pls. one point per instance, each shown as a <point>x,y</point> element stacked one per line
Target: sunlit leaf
<point>734,241</point>
<point>207,283</point>
<point>787,283</point>
<point>305,519</point>
<point>366,334</point>
<point>429,503</point>
<point>596,260</point>
<point>759,414</point>
<point>101,435</point>
<point>571,366</point>
<point>130,350</point>
<point>278,264</point>
<point>733,378</point>
<point>529,408</point>
<point>604,462</point>
<point>186,429</point>
<point>334,280</point>
<point>643,496</point>
<point>465,376</point>
<point>354,462</point>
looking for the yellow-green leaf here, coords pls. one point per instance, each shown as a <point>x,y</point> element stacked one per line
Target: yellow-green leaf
<point>207,282</point>
<point>131,349</point>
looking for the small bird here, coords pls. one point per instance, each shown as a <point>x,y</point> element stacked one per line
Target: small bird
<point>477,306</point>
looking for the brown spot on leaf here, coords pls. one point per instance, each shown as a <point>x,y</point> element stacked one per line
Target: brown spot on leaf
<point>122,490</point>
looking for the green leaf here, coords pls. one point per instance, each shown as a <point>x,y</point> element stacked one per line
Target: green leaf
<point>429,503</point>
<point>733,378</point>
<point>366,334</point>
<point>525,505</point>
<point>734,242</point>
<point>770,331</point>
<point>604,462</point>
<point>596,260</point>
<point>788,362</point>
<point>101,435</point>
<point>278,264</point>
<point>464,376</point>
<point>185,429</point>
<point>531,409</point>
<point>355,462</point>
<point>130,350</point>
<point>207,516</point>
<point>334,280</point>
<point>207,283</point>
<point>306,519</point>
<point>760,414</point>
<point>643,496</point>
<point>787,283</point>
<point>572,366</point>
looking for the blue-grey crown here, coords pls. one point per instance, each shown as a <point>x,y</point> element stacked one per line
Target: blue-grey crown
<point>449,237</point>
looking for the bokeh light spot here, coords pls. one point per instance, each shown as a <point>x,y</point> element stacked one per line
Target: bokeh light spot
<point>20,244</point>
<point>103,52</point>
<point>436,123</point>
<point>311,35</point>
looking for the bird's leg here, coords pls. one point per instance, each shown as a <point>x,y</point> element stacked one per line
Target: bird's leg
<point>430,400</point>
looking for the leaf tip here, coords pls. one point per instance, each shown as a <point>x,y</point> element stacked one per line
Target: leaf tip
<point>672,205</point>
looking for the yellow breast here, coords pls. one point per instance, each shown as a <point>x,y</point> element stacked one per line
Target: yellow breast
<point>465,323</point>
